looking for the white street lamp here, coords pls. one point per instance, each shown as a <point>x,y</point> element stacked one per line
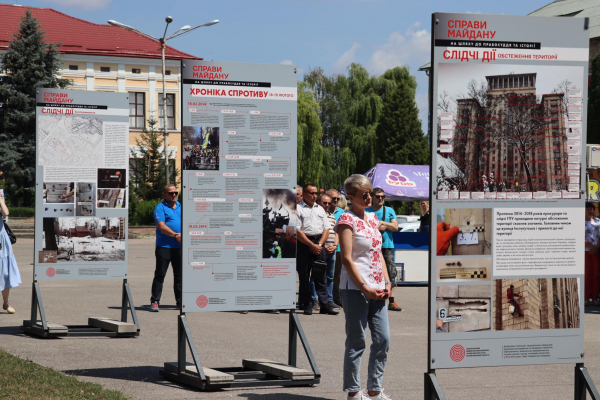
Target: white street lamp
<point>179,32</point>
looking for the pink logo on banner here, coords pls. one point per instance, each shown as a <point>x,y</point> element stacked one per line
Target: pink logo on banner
<point>457,353</point>
<point>51,272</point>
<point>202,301</point>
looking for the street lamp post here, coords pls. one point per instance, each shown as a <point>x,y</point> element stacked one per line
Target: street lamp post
<point>162,41</point>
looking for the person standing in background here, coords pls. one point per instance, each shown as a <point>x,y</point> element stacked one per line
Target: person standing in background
<point>9,271</point>
<point>425,220</point>
<point>313,231</point>
<point>337,211</point>
<point>592,259</point>
<point>167,216</point>
<point>387,225</point>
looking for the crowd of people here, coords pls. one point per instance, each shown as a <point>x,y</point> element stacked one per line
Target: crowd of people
<point>198,157</point>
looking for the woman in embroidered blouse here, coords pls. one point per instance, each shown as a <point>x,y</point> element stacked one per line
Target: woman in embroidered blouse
<point>364,287</point>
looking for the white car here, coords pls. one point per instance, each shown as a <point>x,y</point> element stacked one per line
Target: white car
<point>409,226</point>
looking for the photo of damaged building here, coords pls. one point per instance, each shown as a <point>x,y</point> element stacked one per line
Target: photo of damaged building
<point>547,303</point>
<point>505,137</point>
<point>463,308</point>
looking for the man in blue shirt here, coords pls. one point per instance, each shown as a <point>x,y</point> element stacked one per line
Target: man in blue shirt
<point>167,216</point>
<point>387,225</point>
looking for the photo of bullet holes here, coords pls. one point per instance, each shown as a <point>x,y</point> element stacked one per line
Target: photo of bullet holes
<point>542,303</point>
<point>59,198</point>
<point>464,231</point>
<point>111,198</point>
<point>86,199</point>
<point>109,178</point>
<point>463,308</point>
<point>456,269</point>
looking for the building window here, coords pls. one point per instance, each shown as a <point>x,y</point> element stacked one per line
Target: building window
<point>136,71</point>
<point>104,69</point>
<point>137,110</point>
<point>73,67</point>
<point>170,111</point>
<point>167,72</point>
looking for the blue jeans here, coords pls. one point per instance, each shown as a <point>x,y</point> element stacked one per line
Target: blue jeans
<point>330,260</point>
<point>361,311</point>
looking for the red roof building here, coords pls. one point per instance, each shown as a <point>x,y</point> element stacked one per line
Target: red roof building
<point>111,59</point>
<point>82,37</point>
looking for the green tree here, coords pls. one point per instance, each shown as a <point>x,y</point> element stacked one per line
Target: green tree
<point>399,135</point>
<point>147,170</point>
<point>350,107</point>
<point>30,62</point>
<point>593,125</point>
<point>310,151</point>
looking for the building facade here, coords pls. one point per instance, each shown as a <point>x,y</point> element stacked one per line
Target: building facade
<point>510,139</point>
<point>107,58</point>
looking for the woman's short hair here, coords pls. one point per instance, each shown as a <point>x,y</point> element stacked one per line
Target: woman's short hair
<point>356,182</point>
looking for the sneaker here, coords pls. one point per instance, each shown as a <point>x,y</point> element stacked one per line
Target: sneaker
<point>308,311</point>
<point>358,396</point>
<point>244,312</point>
<point>334,305</point>
<point>154,307</point>
<point>380,396</point>
<point>315,305</point>
<point>394,307</point>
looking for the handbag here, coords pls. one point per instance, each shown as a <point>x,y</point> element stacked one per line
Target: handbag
<point>11,235</point>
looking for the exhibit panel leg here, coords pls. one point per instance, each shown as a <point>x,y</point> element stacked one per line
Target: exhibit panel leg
<point>584,384</point>
<point>96,326</point>
<point>252,373</point>
<point>433,390</point>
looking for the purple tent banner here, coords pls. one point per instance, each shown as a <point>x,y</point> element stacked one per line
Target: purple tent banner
<point>401,182</point>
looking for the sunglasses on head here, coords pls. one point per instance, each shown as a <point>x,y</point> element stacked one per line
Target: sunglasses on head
<point>173,193</point>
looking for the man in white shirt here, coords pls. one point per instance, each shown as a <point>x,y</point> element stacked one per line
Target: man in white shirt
<point>313,231</point>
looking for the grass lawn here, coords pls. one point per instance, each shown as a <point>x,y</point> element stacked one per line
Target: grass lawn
<point>24,380</point>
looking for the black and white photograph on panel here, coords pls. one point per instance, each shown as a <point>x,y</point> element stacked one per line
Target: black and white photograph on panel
<point>200,148</point>
<point>504,128</point>
<point>85,239</point>
<point>279,223</point>
<point>67,141</point>
<point>111,178</point>
<point>86,199</point>
<point>111,198</point>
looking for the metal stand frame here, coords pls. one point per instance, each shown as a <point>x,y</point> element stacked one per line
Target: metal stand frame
<point>433,390</point>
<point>243,377</point>
<point>584,384</point>
<point>44,330</point>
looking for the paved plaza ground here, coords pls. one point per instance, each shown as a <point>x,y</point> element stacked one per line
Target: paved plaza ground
<point>224,339</point>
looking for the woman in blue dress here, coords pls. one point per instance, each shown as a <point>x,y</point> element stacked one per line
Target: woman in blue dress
<point>9,272</point>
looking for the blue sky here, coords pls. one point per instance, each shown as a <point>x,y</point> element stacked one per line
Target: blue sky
<point>379,34</point>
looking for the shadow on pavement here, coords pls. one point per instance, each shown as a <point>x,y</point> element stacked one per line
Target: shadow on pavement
<point>146,307</point>
<point>278,396</point>
<point>11,330</point>
<point>592,309</point>
<point>142,373</point>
